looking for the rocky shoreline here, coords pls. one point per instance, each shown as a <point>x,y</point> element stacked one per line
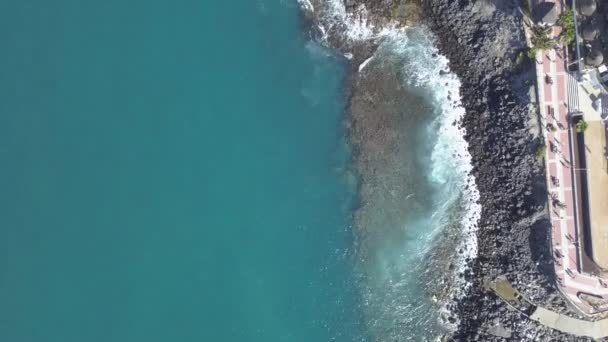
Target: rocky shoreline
<point>481,38</point>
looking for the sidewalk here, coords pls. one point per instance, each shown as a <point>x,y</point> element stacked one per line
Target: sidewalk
<point>557,99</point>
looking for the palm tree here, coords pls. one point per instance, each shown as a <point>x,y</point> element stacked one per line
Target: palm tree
<point>541,38</point>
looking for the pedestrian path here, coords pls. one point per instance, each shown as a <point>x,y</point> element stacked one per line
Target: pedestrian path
<point>570,325</point>
<point>558,99</point>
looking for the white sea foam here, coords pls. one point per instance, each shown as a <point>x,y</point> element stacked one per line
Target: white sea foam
<point>306,5</point>
<point>427,71</point>
<point>450,157</point>
<point>452,149</point>
<point>362,65</point>
<point>354,26</point>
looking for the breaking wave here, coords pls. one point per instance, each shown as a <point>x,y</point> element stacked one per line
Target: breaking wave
<point>411,264</point>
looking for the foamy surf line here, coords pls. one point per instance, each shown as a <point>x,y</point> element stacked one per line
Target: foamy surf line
<point>355,27</point>
<point>431,71</point>
<point>446,86</point>
<point>453,111</point>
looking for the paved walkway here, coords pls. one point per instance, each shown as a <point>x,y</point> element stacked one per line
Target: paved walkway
<point>558,98</point>
<point>573,326</point>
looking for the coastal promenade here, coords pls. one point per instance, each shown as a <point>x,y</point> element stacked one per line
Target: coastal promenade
<point>558,100</point>
<point>570,325</point>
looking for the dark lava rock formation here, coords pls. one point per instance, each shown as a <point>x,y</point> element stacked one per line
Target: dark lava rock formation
<point>481,39</point>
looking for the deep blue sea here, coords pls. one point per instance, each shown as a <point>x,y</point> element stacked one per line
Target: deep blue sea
<point>179,171</point>
<point>172,171</point>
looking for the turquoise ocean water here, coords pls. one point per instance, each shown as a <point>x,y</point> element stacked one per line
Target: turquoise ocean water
<point>171,171</point>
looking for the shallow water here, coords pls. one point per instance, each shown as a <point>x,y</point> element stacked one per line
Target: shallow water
<point>414,165</point>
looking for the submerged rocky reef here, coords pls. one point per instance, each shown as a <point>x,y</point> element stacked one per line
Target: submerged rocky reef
<point>481,39</point>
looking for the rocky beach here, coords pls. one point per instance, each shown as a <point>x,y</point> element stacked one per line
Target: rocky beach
<point>481,40</point>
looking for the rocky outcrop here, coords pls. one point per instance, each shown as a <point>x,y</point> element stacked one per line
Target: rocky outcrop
<point>481,39</point>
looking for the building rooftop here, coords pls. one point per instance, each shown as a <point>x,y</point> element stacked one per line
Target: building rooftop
<point>587,7</point>
<point>597,177</point>
<point>546,13</point>
<point>594,58</point>
<point>596,171</point>
<point>589,31</point>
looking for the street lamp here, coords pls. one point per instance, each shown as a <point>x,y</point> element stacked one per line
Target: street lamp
<point>578,48</point>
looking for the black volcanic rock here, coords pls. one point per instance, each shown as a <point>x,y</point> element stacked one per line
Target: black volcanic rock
<point>481,39</point>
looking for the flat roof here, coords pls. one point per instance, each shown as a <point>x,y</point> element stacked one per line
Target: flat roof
<point>597,177</point>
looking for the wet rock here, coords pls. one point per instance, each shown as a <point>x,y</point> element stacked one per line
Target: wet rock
<point>479,38</point>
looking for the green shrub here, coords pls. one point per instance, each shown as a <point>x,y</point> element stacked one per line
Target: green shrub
<point>540,151</point>
<point>566,21</point>
<point>520,57</point>
<point>541,39</point>
<point>532,52</point>
<point>581,126</point>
